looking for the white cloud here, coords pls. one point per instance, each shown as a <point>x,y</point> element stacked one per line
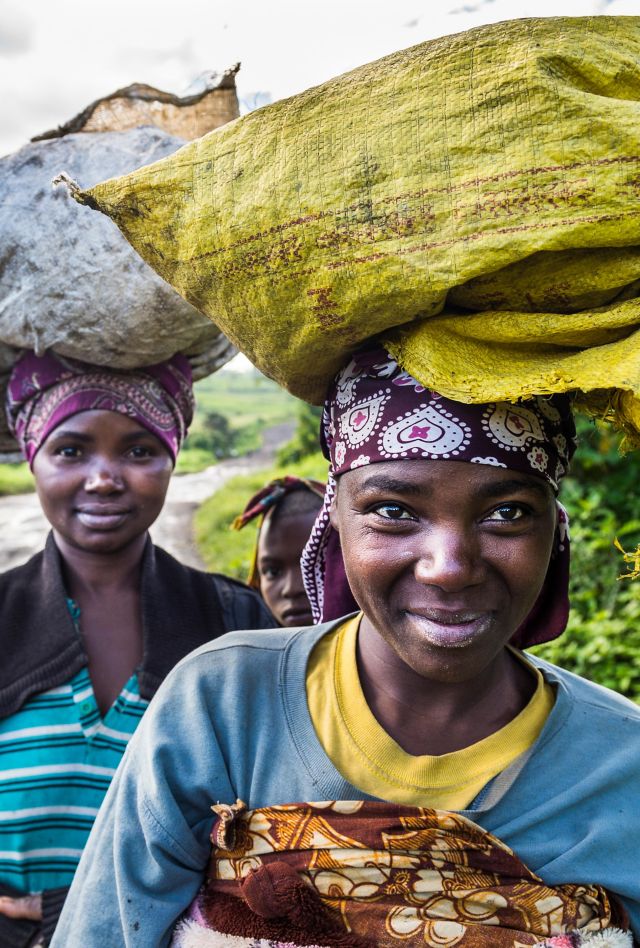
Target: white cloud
<point>16,30</point>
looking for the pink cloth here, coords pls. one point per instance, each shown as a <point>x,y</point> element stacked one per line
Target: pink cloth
<point>44,391</point>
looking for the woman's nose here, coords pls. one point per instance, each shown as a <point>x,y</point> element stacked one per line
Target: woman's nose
<point>293,585</point>
<point>450,559</point>
<point>104,478</point>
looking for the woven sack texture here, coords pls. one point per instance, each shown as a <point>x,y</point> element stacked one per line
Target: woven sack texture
<point>475,200</point>
<point>70,282</point>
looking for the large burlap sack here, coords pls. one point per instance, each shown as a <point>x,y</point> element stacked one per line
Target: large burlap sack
<point>497,170</point>
<point>73,284</point>
<point>69,281</point>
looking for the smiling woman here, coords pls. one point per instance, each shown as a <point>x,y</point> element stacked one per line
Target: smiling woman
<point>472,796</point>
<point>93,624</point>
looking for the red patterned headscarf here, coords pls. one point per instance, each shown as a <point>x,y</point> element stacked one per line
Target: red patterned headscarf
<point>44,391</point>
<point>377,412</point>
<point>266,499</point>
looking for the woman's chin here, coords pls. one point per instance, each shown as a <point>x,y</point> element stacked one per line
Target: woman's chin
<point>98,541</point>
<point>293,618</point>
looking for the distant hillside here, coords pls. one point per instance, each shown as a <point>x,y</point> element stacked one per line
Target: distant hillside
<point>232,410</point>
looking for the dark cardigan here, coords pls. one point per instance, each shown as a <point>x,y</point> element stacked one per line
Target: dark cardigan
<point>182,608</point>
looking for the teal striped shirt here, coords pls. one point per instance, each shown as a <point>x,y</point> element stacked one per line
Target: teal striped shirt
<point>57,758</point>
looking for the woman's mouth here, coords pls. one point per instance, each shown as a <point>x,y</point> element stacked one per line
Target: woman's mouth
<point>448,628</point>
<point>102,517</point>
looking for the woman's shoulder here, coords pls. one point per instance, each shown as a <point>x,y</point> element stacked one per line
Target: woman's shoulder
<point>254,672</point>
<point>241,607</point>
<point>18,577</point>
<point>589,698</point>
<point>260,645</point>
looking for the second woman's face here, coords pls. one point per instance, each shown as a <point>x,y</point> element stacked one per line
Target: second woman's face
<point>280,547</point>
<point>102,480</point>
<point>445,558</point>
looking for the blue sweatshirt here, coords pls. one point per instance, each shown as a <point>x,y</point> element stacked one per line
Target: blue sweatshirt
<point>232,721</point>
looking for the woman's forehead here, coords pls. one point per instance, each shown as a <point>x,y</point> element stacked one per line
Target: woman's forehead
<point>429,477</point>
<point>288,532</point>
<point>99,421</point>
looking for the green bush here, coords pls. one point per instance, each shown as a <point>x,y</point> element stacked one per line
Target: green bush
<point>305,440</point>
<point>16,479</point>
<point>602,641</point>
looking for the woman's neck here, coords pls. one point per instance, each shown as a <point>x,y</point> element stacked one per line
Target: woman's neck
<point>433,717</point>
<point>94,574</point>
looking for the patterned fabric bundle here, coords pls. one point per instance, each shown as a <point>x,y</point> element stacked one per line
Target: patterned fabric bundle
<point>266,499</point>
<point>357,874</point>
<point>192,935</point>
<point>45,390</point>
<point>377,412</point>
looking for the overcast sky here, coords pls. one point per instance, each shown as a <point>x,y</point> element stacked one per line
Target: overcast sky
<point>56,56</point>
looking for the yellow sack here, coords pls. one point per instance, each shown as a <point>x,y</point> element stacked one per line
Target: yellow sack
<point>495,171</point>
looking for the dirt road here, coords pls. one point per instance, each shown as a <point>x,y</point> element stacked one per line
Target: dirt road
<point>23,527</point>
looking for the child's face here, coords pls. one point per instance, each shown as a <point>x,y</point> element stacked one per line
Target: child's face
<point>279,550</point>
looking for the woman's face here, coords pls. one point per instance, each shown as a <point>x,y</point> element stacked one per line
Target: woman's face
<point>445,558</point>
<point>102,480</point>
<point>279,550</point>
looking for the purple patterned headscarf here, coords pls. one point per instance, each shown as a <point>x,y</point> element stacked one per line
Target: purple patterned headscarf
<point>44,391</point>
<point>377,412</point>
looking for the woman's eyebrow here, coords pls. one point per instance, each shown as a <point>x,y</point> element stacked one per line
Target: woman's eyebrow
<point>137,435</point>
<point>61,433</point>
<point>514,485</point>
<point>394,485</point>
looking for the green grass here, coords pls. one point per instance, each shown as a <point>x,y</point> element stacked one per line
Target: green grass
<point>245,398</point>
<point>229,551</point>
<point>192,460</point>
<point>15,479</point>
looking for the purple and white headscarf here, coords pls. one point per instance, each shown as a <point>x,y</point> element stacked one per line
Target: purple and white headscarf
<point>377,412</point>
<point>44,391</point>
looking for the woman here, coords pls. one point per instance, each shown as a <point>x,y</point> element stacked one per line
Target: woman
<point>93,624</point>
<point>287,508</point>
<point>511,811</point>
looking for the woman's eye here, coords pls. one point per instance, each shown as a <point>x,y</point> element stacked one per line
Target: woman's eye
<point>68,451</point>
<point>270,572</point>
<point>140,451</point>
<point>508,513</point>
<point>393,512</point>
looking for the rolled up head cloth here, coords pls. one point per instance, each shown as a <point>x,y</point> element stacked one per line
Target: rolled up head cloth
<point>44,391</point>
<point>377,412</point>
<point>266,499</point>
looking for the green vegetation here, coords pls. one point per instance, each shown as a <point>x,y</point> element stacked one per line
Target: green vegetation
<point>15,479</point>
<point>233,409</point>
<point>227,551</point>
<point>602,641</point>
<point>305,440</point>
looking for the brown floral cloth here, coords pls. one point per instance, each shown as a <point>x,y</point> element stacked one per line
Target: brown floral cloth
<point>362,874</point>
